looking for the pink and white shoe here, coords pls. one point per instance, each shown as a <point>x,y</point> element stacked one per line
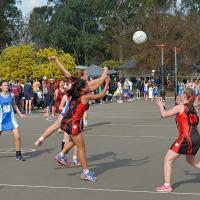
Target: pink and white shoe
<point>164,188</point>
<point>38,142</point>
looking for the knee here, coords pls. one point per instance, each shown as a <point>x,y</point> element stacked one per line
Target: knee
<point>81,148</point>
<point>167,160</point>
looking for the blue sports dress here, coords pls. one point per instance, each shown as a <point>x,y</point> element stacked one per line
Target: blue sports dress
<point>7,117</point>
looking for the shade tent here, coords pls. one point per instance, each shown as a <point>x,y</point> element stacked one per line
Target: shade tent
<point>96,71</point>
<point>131,64</point>
<point>81,67</point>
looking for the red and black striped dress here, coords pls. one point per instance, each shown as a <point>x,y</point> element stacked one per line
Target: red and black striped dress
<point>72,122</point>
<point>188,141</point>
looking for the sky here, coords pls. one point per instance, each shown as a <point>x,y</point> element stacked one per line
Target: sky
<point>27,5</point>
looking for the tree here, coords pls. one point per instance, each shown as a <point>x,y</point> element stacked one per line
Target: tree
<point>39,25</point>
<point>74,29</point>
<point>50,69</point>
<point>16,62</point>
<point>8,14</point>
<point>20,62</point>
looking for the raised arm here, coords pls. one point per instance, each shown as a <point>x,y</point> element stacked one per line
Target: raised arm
<point>86,98</point>
<point>60,66</point>
<point>175,110</point>
<point>94,84</point>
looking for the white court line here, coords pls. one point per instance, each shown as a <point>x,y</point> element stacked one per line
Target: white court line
<point>132,136</point>
<point>97,189</point>
<point>113,136</point>
<point>125,117</point>
<point>141,125</point>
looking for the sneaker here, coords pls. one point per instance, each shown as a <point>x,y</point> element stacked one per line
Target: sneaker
<point>164,188</point>
<point>76,162</point>
<point>38,143</point>
<point>89,176</point>
<point>20,157</point>
<point>62,160</point>
<point>85,124</point>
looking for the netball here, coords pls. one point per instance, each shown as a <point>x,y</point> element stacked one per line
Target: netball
<point>139,37</point>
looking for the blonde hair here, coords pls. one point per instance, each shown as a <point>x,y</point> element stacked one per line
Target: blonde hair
<point>190,94</point>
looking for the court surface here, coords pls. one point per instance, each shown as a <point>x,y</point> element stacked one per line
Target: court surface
<point>126,144</point>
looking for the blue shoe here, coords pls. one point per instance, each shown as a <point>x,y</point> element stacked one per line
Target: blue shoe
<point>62,160</point>
<point>20,157</point>
<point>89,176</point>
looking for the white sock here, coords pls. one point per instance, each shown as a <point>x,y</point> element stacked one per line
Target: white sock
<point>75,157</point>
<point>61,154</point>
<point>85,171</point>
<point>41,139</point>
<point>167,184</point>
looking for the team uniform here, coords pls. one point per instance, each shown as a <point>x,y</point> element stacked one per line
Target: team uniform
<point>58,100</point>
<point>72,122</point>
<point>188,141</point>
<point>7,117</point>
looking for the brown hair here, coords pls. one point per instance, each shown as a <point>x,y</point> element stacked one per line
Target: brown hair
<point>79,73</point>
<point>190,94</point>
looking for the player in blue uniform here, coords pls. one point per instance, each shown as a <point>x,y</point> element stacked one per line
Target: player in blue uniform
<point>7,118</point>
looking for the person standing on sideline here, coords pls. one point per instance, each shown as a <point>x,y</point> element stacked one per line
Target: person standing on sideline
<point>45,92</point>
<point>16,90</point>
<point>28,95</point>
<point>7,117</point>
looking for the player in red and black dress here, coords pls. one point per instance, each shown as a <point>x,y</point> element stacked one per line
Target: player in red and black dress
<point>72,123</point>
<point>58,95</point>
<point>188,141</point>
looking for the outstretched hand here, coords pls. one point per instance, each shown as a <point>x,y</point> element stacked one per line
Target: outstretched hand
<point>160,102</point>
<point>105,71</point>
<point>107,80</point>
<point>52,58</point>
<point>179,100</point>
<point>23,116</point>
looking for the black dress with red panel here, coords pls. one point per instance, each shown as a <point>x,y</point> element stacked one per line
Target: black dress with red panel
<point>72,122</point>
<point>188,141</point>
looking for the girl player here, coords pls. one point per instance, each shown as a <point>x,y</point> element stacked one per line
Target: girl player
<point>7,118</point>
<point>93,84</point>
<point>58,95</point>
<point>188,141</point>
<point>72,123</point>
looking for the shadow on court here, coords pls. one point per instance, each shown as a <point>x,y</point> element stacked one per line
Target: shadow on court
<point>114,164</point>
<point>29,155</point>
<point>195,179</point>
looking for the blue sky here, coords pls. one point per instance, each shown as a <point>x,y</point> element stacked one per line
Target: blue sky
<point>27,5</point>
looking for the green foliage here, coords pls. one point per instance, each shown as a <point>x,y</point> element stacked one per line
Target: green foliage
<point>17,62</point>
<point>23,61</point>
<point>111,64</point>
<point>8,14</point>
